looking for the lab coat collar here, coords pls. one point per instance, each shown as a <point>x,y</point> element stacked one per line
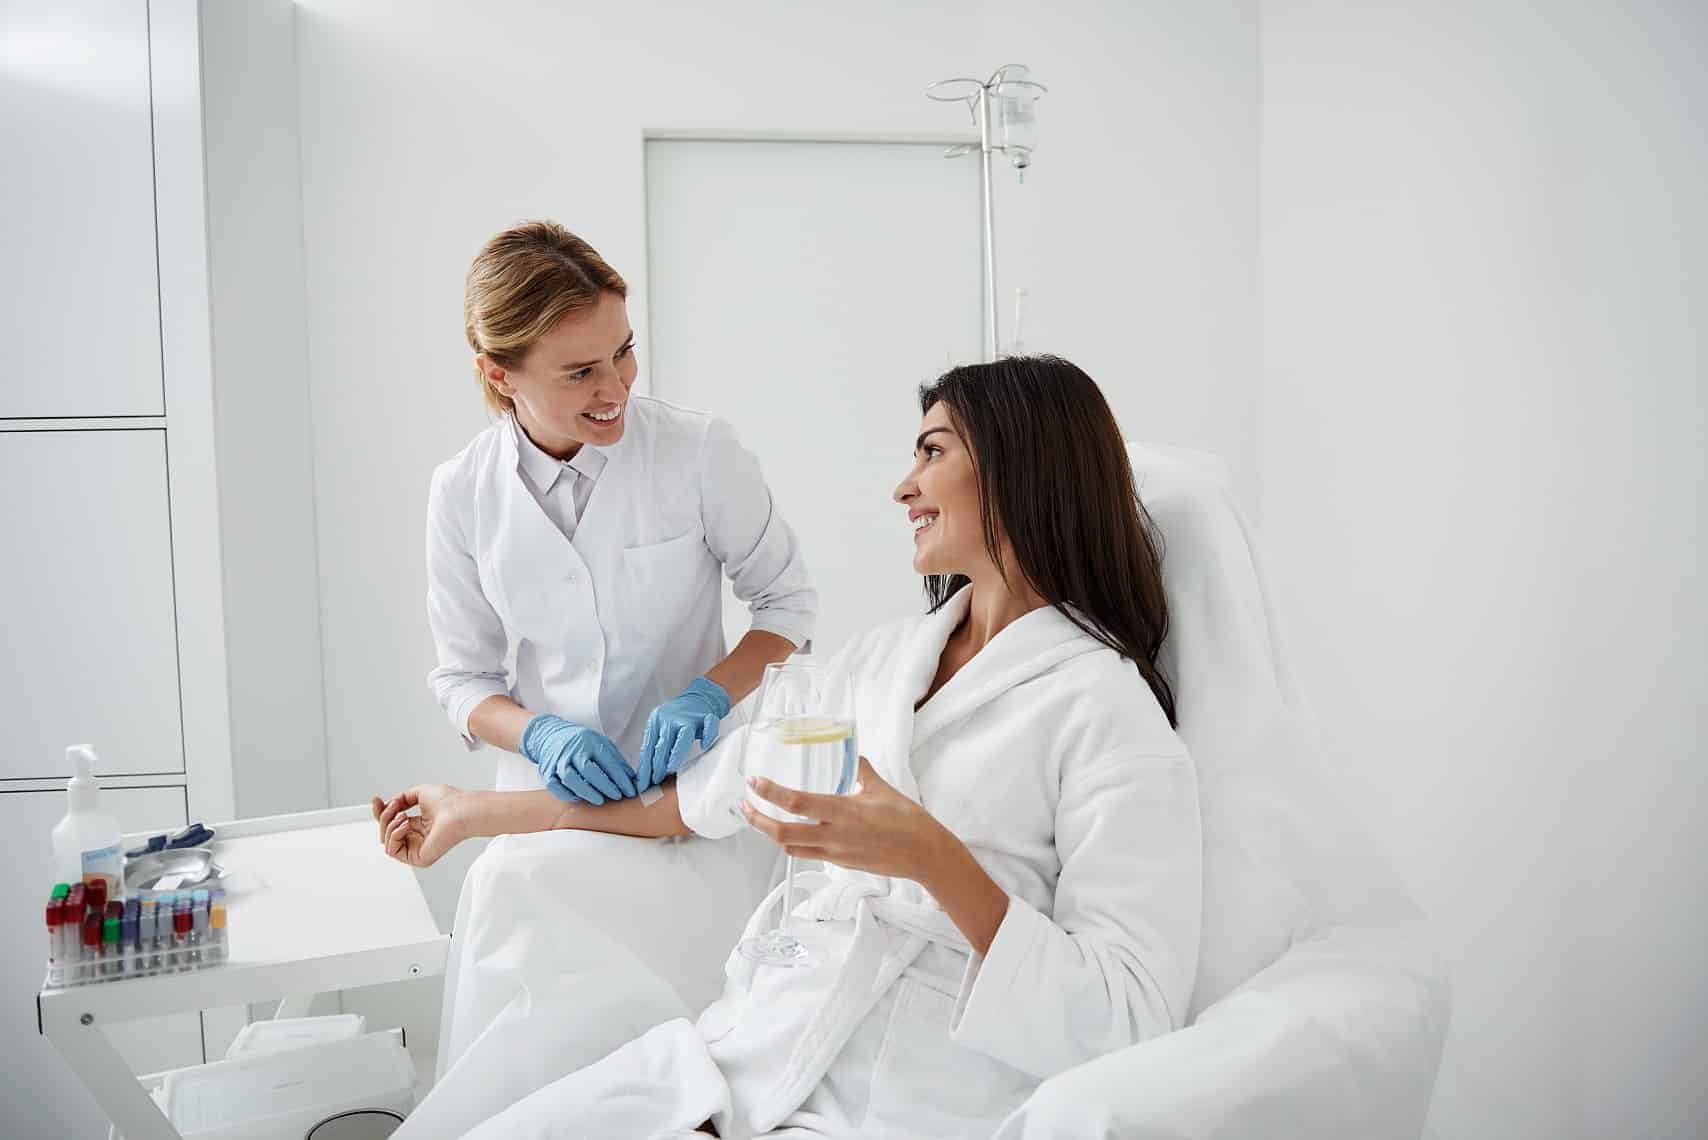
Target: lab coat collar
<point>542,470</point>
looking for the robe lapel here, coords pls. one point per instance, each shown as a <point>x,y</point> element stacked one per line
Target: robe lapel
<point>1026,648</point>
<point>891,749</point>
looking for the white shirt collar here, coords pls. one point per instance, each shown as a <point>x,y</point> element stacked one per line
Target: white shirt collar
<point>543,470</point>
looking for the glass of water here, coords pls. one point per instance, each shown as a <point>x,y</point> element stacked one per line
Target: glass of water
<point>801,736</point>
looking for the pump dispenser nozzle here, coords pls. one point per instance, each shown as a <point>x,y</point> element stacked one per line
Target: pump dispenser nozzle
<point>82,787</point>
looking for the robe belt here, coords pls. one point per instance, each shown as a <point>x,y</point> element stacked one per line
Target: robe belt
<point>873,964</point>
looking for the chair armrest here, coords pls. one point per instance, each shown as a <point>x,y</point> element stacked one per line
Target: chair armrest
<point>1340,1037</point>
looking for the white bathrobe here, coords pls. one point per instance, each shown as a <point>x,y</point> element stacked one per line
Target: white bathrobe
<point>1047,755</point>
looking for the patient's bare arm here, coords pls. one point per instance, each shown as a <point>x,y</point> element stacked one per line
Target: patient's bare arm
<point>448,815</point>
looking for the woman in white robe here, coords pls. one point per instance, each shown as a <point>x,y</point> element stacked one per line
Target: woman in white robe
<point>1014,887</point>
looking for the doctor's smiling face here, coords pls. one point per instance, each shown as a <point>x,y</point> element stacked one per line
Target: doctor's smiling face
<point>572,385</point>
<point>941,494</point>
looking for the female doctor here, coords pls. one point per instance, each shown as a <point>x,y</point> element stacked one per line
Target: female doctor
<point>573,547</point>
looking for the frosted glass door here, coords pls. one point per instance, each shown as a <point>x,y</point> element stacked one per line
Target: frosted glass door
<point>803,291</point>
<point>42,1097</point>
<point>79,294</point>
<point>91,648</point>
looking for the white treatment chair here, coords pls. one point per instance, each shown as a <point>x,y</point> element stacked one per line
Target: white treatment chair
<point>1320,1008</point>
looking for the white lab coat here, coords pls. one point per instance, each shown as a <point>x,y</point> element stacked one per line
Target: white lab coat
<point>1048,757</point>
<point>601,628</point>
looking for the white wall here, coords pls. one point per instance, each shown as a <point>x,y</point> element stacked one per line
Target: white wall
<point>426,129</point>
<point>1485,280</point>
<point>261,406</point>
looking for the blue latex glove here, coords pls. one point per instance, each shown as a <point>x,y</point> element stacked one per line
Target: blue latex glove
<point>575,762</point>
<point>676,724</point>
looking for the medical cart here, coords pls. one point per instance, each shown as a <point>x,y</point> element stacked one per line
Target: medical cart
<point>315,906</point>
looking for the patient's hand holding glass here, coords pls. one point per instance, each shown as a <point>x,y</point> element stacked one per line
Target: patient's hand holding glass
<point>802,737</point>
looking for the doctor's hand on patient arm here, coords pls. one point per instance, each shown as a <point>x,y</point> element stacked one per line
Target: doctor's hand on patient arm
<point>697,712</point>
<point>877,829</point>
<point>419,825</point>
<point>562,750</point>
<point>675,725</point>
<point>577,762</point>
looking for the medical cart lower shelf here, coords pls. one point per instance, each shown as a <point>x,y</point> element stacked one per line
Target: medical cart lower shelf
<point>316,906</point>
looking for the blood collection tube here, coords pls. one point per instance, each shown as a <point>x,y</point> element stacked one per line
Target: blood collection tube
<point>95,890</point>
<point>89,961</point>
<point>111,962</point>
<point>70,923</point>
<point>75,905</point>
<point>203,928</point>
<point>128,933</point>
<point>163,932</point>
<point>112,926</point>
<point>181,922</point>
<point>145,933</point>
<point>216,927</point>
<point>55,931</point>
<point>56,943</point>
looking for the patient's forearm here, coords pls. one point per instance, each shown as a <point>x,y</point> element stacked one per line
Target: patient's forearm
<point>515,813</point>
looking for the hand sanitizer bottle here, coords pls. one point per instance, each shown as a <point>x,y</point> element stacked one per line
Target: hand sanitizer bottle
<point>87,844</point>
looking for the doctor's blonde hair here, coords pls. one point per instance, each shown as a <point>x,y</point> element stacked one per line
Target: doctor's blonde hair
<point>522,283</point>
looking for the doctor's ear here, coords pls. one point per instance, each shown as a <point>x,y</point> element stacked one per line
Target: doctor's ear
<point>495,374</point>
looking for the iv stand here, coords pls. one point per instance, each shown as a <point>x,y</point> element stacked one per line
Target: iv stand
<point>978,100</point>
<point>989,224</point>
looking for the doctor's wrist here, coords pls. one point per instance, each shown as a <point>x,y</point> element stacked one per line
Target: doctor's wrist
<point>500,721</point>
<point>712,692</point>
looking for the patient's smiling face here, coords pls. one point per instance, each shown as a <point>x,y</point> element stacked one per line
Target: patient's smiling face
<point>941,495</point>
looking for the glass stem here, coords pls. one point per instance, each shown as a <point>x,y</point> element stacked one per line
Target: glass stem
<point>788,894</point>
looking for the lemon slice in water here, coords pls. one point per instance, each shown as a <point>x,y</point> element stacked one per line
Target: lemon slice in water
<point>812,730</point>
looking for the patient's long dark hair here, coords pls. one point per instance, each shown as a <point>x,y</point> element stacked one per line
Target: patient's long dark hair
<point>1054,476</point>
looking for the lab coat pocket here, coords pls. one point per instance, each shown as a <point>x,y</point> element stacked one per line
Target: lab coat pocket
<point>659,581</point>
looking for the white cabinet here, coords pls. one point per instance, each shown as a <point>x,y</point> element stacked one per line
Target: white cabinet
<point>145,144</point>
<point>79,303</point>
<point>56,1103</point>
<point>86,600</point>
